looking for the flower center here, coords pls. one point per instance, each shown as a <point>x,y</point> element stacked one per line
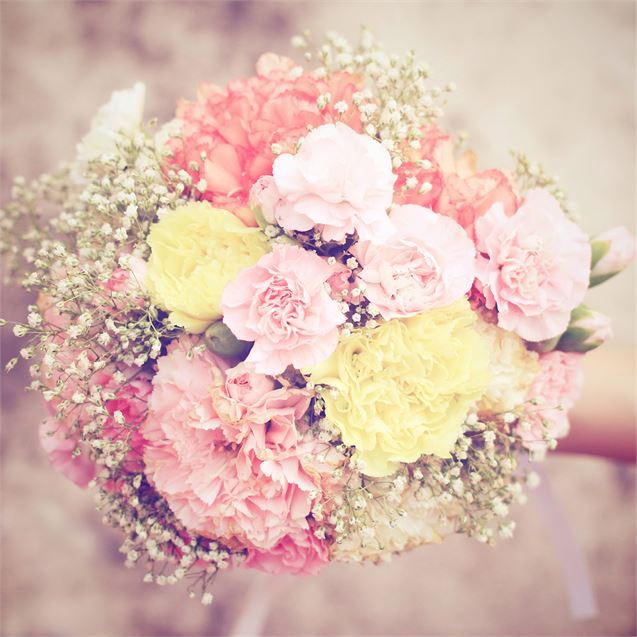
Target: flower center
<point>415,279</point>
<point>281,308</point>
<point>526,268</point>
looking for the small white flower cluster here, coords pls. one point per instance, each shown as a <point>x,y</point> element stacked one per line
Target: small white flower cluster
<point>153,534</point>
<point>530,174</point>
<point>397,98</point>
<point>91,297</point>
<point>470,493</point>
<point>93,316</point>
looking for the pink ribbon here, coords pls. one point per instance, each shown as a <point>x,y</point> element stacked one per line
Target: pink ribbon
<point>575,569</point>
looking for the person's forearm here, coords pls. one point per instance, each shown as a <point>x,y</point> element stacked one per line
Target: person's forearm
<point>603,421</point>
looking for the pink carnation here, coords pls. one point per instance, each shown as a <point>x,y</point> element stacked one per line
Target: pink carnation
<point>429,262</point>
<point>340,182</point>
<point>300,553</point>
<point>466,198</point>
<point>281,304</point>
<point>557,386</point>
<point>235,127</point>
<point>50,312</point>
<point>130,398</point>
<point>59,441</point>
<point>533,266</point>
<point>243,398</point>
<point>241,473</point>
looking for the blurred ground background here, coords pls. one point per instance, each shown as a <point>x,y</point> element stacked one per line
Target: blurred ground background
<point>556,79</point>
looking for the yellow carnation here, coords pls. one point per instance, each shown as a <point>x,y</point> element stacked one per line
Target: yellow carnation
<point>403,389</point>
<point>196,251</point>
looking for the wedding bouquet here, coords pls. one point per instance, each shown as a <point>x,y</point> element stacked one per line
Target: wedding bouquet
<point>296,324</point>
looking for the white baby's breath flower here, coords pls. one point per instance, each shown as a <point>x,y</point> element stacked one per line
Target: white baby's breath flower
<point>20,330</point>
<point>415,517</point>
<point>341,107</point>
<point>78,397</point>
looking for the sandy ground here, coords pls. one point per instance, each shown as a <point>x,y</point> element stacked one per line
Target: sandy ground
<point>555,79</point>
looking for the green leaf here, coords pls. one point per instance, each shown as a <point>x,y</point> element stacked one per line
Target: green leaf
<point>599,249</point>
<point>600,278</point>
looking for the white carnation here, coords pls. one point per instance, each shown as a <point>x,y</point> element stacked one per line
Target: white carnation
<point>513,369</point>
<point>120,117</point>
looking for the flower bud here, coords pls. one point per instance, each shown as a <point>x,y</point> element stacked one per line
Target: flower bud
<point>264,197</point>
<point>221,341</point>
<point>587,330</point>
<point>613,251</point>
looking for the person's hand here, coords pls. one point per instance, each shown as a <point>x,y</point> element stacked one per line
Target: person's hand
<point>603,420</point>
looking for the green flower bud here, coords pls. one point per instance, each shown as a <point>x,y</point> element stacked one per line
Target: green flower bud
<point>587,330</point>
<point>221,341</point>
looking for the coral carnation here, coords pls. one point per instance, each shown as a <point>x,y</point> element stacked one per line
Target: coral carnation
<point>236,127</point>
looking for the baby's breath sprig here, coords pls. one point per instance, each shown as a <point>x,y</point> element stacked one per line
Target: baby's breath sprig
<point>482,476</point>
<point>154,536</point>
<point>530,174</point>
<point>395,103</point>
<point>470,492</point>
<point>23,219</point>
<point>75,237</point>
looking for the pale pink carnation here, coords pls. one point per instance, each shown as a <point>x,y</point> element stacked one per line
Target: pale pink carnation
<point>587,330</point>
<point>281,304</point>
<point>533,266</point>
<point>59,441</point>
<point>599,328</point>
<point>557,386</point>
<point>466,198</point>
<point>245,400</point>
<point>340,182</point>
<point>428,262</point>
<point>235,127</point>
<point>299,553</point>
<point>250,493</point>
